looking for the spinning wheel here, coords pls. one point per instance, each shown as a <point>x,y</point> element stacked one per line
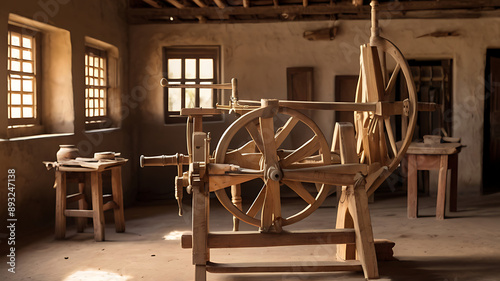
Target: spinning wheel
<point>283,166</point>
<point>378,141</point>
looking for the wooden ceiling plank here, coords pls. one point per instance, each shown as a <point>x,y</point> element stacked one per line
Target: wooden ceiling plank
<point>200,3</point>
<point>221,3</point>
<point>305,3</point>
<point>152,3</point>
<point>246,3</point>
<point>176,4</point>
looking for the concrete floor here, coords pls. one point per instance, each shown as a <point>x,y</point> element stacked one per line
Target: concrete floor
<point>465,246</point>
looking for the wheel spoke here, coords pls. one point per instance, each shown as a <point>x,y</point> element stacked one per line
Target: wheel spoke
<point>298,188</point>
<point>257,203</point>
<point>392,82</point>
<point>390,135</point>
<point>285,130</point>
<point>307,149</point>
<point>253,129</point>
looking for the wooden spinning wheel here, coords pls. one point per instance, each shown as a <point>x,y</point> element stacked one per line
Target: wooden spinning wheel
<point>283,168</point>
<point>377,138</point>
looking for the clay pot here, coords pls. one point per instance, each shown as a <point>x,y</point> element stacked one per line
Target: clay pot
<point>66,152</point>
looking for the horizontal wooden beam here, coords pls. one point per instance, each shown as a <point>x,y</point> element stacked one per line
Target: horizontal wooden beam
<point>247,239</point>
<point>75,197</point>
<point>343,10</point>
<point>79,213</point>
<point>316,266</point>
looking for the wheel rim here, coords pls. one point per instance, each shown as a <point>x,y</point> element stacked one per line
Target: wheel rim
<point>288,161</point>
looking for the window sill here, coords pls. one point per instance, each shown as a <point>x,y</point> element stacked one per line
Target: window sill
<point>41,136</point>
<point>103,130</point>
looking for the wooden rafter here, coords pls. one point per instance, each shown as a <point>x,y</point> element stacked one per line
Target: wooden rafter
<point>220,3</point>
<point>243,11</point>
<point>152,3</point>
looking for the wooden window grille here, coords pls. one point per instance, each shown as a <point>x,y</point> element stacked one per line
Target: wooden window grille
<point>190,65</point>
<point>23,77</point>
<point>96,85</point>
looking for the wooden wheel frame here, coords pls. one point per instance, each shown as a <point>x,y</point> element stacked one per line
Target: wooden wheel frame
<point>376,141</point>
<point>263,146</point>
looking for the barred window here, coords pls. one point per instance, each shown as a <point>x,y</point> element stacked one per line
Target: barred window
<point>23,77</point>
<point>95,85</point>
<point>190,65</point>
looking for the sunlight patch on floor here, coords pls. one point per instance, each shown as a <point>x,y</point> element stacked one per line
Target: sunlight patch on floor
<point>173,235</point>
<point>96,275</point>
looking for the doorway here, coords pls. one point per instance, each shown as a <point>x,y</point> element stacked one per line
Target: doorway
<point>491,144</point>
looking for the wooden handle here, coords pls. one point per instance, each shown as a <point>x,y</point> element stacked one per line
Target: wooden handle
<point>164,160</point>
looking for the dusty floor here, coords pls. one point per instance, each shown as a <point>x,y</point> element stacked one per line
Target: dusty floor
<point>465,246</point>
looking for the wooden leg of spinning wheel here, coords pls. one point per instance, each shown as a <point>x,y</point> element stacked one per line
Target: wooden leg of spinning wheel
<point>344,220</point>
<point>200,229</point>
<point>200,273</point>
<point>365,245</point>
<point>236,199</point>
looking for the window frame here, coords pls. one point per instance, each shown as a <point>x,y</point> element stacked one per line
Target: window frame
<point>94,122</point>
<point>37,76</point>
<point>191,52</point>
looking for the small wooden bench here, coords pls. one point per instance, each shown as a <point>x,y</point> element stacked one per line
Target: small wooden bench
<point>75,170</point>
<point>441,157</point>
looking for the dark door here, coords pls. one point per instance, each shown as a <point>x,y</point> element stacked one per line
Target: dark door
<point>491,156</point>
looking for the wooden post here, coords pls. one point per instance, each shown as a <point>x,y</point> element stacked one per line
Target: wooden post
<point>441,195</point>
<point>98,212</point>
<point>116,185</point>
<point>412,187</point>
<point>200,230</point>
<point>365,245</point>
<point>344,220</point>
<point>237,201</point>
<point>81,223</point>
<point>60,205</point>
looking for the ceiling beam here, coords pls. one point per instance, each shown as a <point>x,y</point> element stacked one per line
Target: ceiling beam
<point>176,4</point>
<point>246,3</point>
<point>220,3</point>
<point>200,3</point>
<point>152,3</point>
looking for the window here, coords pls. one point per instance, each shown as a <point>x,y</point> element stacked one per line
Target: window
<point>95,85</point>
<point>23,77</point>
<point>190,65</point>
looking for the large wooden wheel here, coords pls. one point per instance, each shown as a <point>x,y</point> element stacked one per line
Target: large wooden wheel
<point>384,136</point>
<point>252,143</point>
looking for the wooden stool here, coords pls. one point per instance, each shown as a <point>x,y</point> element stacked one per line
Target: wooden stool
<point>67,171</point>
<point>441,157</point>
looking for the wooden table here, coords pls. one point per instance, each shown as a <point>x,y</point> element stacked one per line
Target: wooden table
<point>441,157</point>
<point>74,169</point>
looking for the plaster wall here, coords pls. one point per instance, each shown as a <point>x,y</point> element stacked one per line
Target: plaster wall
<point>258,55</point>
<point>102,20</point>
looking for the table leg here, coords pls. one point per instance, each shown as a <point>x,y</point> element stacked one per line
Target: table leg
<point>81,223</point>
<point>98,212</point>
<point>441,194</point>
<point>116,185</point>
<point>453,161</point>
<point>60,205</point>
<point>412,187</point>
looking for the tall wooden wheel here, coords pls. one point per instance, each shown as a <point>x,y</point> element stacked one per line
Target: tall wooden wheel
<point>384,136</point>
<point>253,143</point>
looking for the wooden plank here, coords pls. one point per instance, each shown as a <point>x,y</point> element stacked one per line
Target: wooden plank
<point>152,3</point>
<point>176,4</point>
<point>317,266</point>
<point>441,148</point>
<point>79,213</point>
<point>251,239</point>
<point>60,231</point>
<point>220,3</point>
<point>222,181</point>
<point>200,111</point>
<point>337,106</point>
<point>98,213</point>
